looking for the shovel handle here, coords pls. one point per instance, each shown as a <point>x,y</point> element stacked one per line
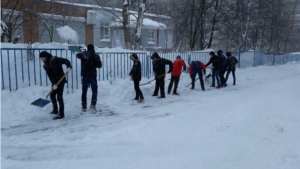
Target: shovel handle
<point>191,83</point>
<point>154,79</point>
<point>62,78</point>
<point>158,77</point>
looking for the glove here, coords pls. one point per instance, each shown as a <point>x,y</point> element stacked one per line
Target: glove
<point>69,69</point>
<point>204,72</point>
<point>156,78</point>
<point>54,87</point>
<point>169,71</point>
<point>212,68</point>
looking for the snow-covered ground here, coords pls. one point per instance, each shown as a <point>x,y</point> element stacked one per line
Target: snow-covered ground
<point>253,125</point>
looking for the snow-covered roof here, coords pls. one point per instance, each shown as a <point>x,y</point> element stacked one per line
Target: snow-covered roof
<point>60,17</point>
<point>114,9</point>
<point>147,23</point>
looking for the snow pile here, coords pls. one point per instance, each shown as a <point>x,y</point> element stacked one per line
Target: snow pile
<point>68,34</point>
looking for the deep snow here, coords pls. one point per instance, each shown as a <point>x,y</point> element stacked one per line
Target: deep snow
<point>253,125</point>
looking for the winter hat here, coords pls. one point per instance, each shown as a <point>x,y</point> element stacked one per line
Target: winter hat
<point>134,56</point>
<point>219,52</point>
<point>178,57</point>
<point>212,53</point>
<point>155,55</point>
<point>45,54</point>
<point>228,54</point>
<point>90,47</point>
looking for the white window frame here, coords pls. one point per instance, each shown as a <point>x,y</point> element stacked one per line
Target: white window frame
<point>104,32</point>
<point>151,37</point>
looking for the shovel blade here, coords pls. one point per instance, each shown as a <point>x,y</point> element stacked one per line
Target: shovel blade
<point>40,102</point>
<point>74,49</point>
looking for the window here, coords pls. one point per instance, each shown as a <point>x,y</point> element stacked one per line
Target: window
<point>151,37</point>
<point>104,32</point>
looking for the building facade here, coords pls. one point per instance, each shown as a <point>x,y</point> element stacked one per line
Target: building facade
<point>94,24</point>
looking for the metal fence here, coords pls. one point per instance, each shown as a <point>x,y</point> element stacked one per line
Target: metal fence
<point>21,67</point>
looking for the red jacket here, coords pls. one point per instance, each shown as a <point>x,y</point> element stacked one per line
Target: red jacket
<point>202,65</point>
<point>177,67</point>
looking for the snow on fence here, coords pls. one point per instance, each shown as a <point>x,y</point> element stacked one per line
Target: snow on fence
<point>21,67</point>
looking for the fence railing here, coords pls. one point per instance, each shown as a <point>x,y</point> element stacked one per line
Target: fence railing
<point>21,67</point>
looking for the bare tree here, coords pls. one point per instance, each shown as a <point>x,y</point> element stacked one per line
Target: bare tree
<point>213,24</point>
<point>139,24</point>
<point>189,17</point>
<point>12,13</point>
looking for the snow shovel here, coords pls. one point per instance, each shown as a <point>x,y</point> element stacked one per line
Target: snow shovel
<point>153,79</point>
<point>74,49</point>
<point>208,76</point>
<point>43,102</point>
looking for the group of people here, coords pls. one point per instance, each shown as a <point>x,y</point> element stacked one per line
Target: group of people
<point>90,61</point>
<point>220,65</point>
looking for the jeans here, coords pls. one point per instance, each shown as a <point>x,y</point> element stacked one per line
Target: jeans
<point>86,82</point>
<point>215,75</point>
<point>200,78</point>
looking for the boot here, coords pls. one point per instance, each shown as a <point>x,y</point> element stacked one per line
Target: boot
<point>155,94</point>
<point>84,107</point>
<point>135,98</point>
<point>175,93</point>
<point>140,101</point>
<point>162,96</point>
<point>93,108</point>
<point>54,112</point>
<point>59,116</point>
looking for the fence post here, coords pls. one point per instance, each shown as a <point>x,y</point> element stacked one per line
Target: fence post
<point>16,74</point>
<point>273,59</point>
<point>239,57</point>
<point>2,72</point>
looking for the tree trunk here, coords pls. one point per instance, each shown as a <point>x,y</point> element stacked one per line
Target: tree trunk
<point>213,25</point>
<point>139,24</point>
<point>126,27</point>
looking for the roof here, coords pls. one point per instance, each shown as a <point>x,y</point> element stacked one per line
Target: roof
<point>113,9</point>
<point>147,23</point>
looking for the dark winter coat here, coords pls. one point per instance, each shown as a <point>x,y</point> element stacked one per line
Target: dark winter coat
<point>215,61</point>
<point>89,62</point>
<point>53,67</point>
<point>223,62</point>
<point>136,71</point>
<point>159,66</point>
<point>197,66</point>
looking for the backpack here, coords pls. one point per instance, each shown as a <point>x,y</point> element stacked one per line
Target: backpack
<point>232,62</point>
